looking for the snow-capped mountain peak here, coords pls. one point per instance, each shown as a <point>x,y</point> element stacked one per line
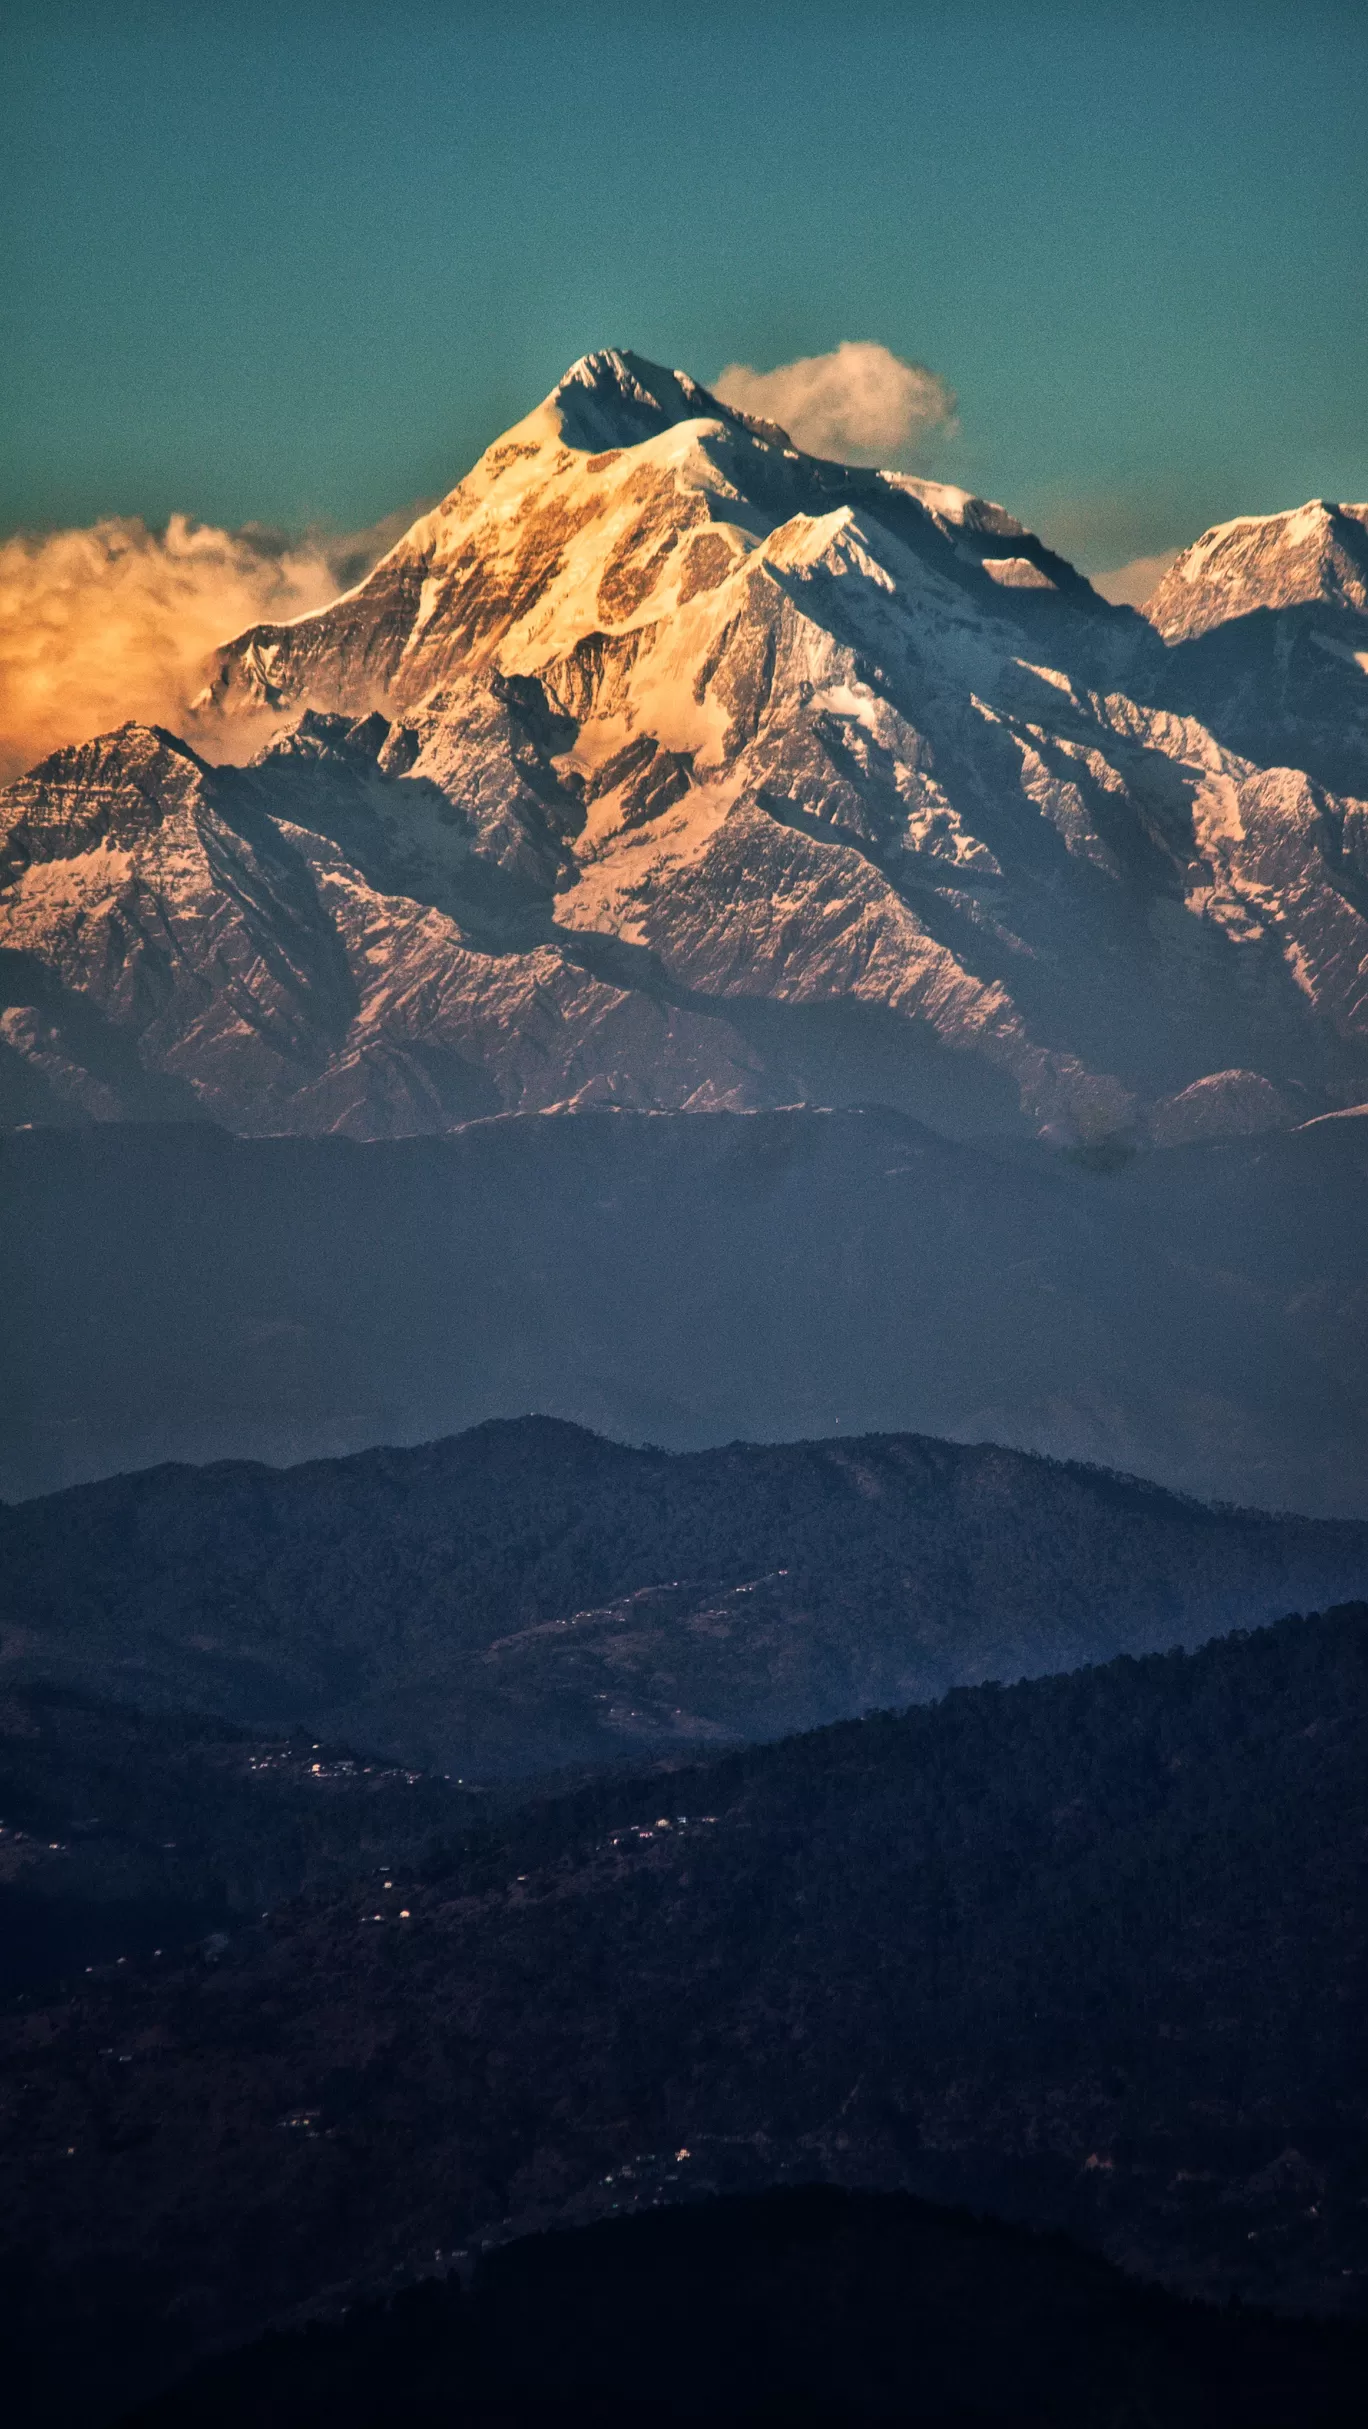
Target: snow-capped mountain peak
<point>663,764</point>
<point>620,498</point>
<point>616,399</point>
<point>1318,553</point>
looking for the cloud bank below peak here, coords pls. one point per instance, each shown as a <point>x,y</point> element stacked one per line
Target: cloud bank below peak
<point>860,404</point>
<point>115,620</point>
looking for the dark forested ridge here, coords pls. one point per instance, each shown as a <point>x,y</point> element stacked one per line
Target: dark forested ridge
<point>528,1596</point>
<point>1191,1313</point>
<point>815,2308</point>
<point>1088,1951</point>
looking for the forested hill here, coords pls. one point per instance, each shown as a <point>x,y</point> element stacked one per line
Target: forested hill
<point>1089,1951</point>
<point>528,1595</point>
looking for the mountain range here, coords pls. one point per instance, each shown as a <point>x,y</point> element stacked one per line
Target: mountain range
<point>713,947</point>
<point>665,766</point>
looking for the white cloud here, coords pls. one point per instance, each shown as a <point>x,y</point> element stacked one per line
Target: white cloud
<point>1131,584</point>
<point>115,621</point>
<point>860,404</point>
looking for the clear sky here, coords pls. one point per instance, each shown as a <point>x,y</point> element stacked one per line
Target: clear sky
<point>291,262</point>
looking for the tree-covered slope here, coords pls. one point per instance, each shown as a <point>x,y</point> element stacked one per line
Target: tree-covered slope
<point>1089,1951</point>
<point>121,1831</point>
<point>528,1596</point>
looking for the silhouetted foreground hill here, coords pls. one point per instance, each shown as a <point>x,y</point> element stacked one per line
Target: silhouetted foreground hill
<point>812,2307</point>
<point>528,1596</point>
<point>1195,1314</point>
<point>1089,1951</point>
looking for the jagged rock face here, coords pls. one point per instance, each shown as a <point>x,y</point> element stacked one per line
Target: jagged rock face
<point>663,765</point>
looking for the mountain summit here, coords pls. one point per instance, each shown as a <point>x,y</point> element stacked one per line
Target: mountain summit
<point>665,765</point>
<point>628,494</point>
<point>1315,556</point>
<point>1267,624</point>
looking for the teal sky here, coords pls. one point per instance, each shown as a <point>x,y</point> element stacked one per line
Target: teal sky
<point>290,263</point>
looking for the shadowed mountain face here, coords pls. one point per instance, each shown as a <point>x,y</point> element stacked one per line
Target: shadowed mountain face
<point>1088,1952</point>
<point>528,1595</point>
<point>1196,1315</point>
<point>657,740</point>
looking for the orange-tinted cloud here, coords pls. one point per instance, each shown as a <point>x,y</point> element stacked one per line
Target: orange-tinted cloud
<point>115,621</point>
<point>861,403</point>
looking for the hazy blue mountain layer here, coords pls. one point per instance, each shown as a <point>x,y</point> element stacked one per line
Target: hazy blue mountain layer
<point>1196,1314</point>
